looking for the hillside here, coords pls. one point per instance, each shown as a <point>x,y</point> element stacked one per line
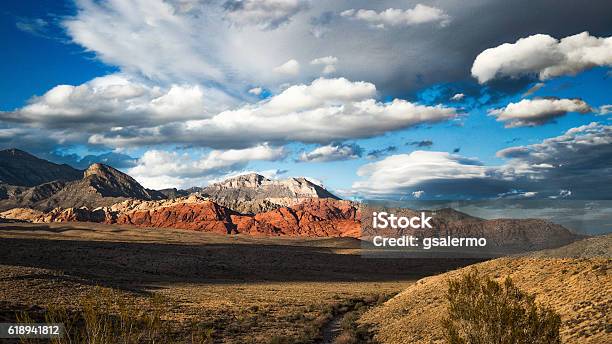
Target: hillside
<point>577,288</point>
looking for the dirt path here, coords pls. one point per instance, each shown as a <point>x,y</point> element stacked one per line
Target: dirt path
<point>332,329</point>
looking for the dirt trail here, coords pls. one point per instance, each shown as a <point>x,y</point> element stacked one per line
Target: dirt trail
<point>332,329</point>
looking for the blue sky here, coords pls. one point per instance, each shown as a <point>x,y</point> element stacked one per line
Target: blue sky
<point>180,93</point>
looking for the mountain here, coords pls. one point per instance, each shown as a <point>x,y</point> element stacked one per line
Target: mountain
<point>253,193</point>
<point>19,168</point>
<point>100,185</point>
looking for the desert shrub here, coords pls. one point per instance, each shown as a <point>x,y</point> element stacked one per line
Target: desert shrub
<point>483,311</point>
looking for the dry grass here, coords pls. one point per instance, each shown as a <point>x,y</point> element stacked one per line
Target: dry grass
<point>293,312</point>
<point>579,289</point>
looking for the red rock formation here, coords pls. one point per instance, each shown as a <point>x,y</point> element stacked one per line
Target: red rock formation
<point>317,218</point>
<point>76,215</point>
<point>206,217</point>
<point>311,218</point>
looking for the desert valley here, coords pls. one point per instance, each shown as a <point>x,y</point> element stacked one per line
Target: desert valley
<point>254,260</point>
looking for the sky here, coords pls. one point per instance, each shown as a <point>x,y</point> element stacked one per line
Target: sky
<point>411,100</point>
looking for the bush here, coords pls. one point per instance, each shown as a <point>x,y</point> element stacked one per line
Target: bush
<point>483,311</point>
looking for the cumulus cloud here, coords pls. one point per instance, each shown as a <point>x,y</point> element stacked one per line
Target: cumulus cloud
<point>457,97</point>
<point>543,56</point>
<point>332,152</point>
<point>328,63</point>
<point>163,169</point>
<point>291,67</point>
<point>392,17</point>
<point>576,161</point>
<point>306,114</point>
<point>534,112</point>
<point>266,14</point>
<point>116,101</point>
<point>256,91</point>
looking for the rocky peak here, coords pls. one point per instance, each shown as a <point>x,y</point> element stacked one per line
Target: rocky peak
<point>251,187</point>
<point>250,180</point>
<point>110,182</point>
<point>104,171</point>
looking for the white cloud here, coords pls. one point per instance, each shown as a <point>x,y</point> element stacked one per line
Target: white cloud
<point>256,91</point>
<point>604,110</point>
<point>534,112</point>
<point>291,67</point>
<point>401,172</point>
<point>117,100</point>
<point>420,14</point>
<point>266,14</point>
<point>573,145</point>
<point>332,152</point>
<point>152,37</point>
<point>457,97</point>
<point>325,60</point>
<point>562,194</point>
<point>328,62</point>
<point>162,169</point>
<point>543,55</point>
<point>324,111</point>
<point>418,194</point>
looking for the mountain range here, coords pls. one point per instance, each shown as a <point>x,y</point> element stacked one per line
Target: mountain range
<point>37,190</point>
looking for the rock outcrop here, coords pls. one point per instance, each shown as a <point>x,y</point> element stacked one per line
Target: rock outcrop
<point>253,193</point>
<point>206,217</point>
